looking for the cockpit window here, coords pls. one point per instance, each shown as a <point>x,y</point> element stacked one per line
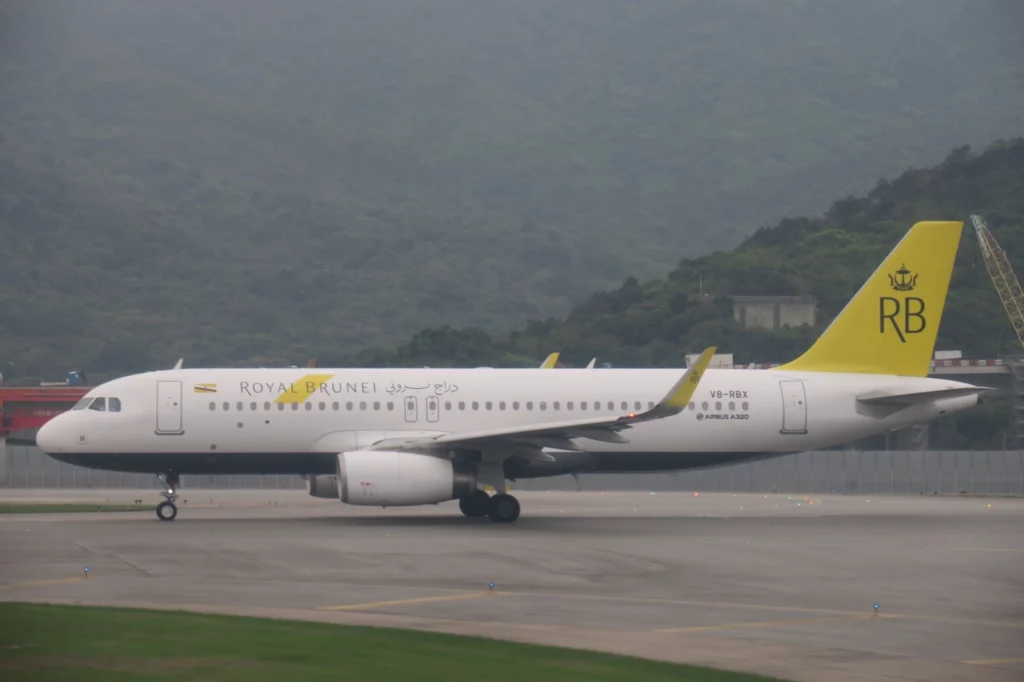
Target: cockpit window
<point>114,405</point>
<point>82,404</point>
<point>99,404</point>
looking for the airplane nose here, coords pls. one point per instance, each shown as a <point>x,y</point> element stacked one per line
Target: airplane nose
<point>48,438</point>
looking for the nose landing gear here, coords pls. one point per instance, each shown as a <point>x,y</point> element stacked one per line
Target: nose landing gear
<point>166,510</point>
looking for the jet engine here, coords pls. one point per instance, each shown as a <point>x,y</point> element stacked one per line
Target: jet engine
<point>323,485</point>
<point>384,478</point>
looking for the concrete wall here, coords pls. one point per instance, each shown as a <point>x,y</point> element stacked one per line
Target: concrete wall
<point>899,472</point>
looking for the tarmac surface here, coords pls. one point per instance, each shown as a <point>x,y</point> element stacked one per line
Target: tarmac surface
<point>778,584</point>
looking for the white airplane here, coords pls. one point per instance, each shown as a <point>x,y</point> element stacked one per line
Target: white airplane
<point>391,437</point>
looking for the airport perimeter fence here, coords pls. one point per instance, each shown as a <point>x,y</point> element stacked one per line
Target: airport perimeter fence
<point>996,472</point>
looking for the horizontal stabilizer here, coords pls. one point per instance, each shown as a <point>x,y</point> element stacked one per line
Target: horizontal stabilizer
<point>920,397</point>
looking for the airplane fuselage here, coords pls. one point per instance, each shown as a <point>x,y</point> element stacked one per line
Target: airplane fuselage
<point>292,421</point>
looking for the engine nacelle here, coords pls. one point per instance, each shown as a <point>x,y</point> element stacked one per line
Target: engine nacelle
<point>384,478</point>
<point>323,485</point>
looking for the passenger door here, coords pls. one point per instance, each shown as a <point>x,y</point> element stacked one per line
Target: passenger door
<point>794,406</point>
<point>168,408</point>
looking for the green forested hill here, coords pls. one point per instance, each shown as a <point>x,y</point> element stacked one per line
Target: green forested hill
<point>251,181</point>
<point>655,323</point>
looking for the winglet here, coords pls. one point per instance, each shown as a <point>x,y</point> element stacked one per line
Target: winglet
<point>678,397</point>
<point>550,362</point>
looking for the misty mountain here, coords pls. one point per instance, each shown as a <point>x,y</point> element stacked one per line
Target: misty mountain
<point>255,181</point>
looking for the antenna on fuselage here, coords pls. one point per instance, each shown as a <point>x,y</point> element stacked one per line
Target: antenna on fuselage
<point>177,365</point>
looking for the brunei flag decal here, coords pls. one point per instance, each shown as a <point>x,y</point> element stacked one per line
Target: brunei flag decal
<point>205,388</point>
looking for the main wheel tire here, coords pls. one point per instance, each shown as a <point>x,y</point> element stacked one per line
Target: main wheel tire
<point>166,511</point>
<point>503,509</point>
<point>475,505</point>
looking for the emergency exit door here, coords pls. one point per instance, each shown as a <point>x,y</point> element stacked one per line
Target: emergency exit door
<point>412,411</point>
<point>794,406</point>
<point>168,407</point>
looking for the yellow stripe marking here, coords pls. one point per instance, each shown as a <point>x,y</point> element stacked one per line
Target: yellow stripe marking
<point>768,624</point>
<point>996,661</point>
<point>41,583</point>
<point>300,390</point>
<point>402,602</point>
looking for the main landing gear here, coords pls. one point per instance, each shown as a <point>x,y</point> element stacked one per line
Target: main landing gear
<point>166,511</point>
<point>501,508</point>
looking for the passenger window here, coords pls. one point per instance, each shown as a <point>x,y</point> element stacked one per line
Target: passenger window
<point>335,406</point>
<point>114,405</point>
<point>692,406</point>
<point>252,406</point>
<point>295,407</point>
<point>568,405</point>
<point>746,405</point>
<point>309,406</point>
<point>322,406</point>
<point>636,406</point>
<point>241,407</point>
<point>82,404</point>
<point>227,407</point>
<point>348,406</point>
<point>529,404</point>
<point>99,405</point>
<point>280,407</point>
<point>597,405</point>
<point>543,405</point>
<point>266,407</point>
<point>376,406</point>
<point>362,406</point>
<point>583,404</point>
<point>488,404</point>
<point>447,406</point>
<point>650,405</point>
<point>732,406</point>
<point>718,406</point>
<point>625,406</point>
<point>391,406</point>
<point>213,407</point>
<point>704,406</point>
<point>462,405</point>
<point>515,405</point>
<point>555,405</point>
<point>611,405</point>
<point>501,406</point>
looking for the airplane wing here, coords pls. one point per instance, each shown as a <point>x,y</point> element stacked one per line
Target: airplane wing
<point>550,361</point>
<point>590,365</point>
<point>561,434</point>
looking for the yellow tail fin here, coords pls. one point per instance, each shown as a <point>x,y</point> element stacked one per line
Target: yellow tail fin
<point>890,326</point>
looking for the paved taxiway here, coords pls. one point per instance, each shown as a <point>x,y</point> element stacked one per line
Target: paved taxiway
<point>781,585</point>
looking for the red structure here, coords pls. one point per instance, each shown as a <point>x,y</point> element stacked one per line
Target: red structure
<point>23,408</point>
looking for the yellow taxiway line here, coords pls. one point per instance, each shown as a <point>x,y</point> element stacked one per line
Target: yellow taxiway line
<point>41,583</point>
<point>402,602</point>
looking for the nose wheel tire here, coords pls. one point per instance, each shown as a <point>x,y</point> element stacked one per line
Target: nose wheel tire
<point>503,509</point>
<point>166,511</point>
<point>476,505</point>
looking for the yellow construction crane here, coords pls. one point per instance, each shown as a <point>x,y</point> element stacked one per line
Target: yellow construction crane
<point>1005,281</point>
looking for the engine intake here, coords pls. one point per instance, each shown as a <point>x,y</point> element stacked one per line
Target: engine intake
<point>385,478</point>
